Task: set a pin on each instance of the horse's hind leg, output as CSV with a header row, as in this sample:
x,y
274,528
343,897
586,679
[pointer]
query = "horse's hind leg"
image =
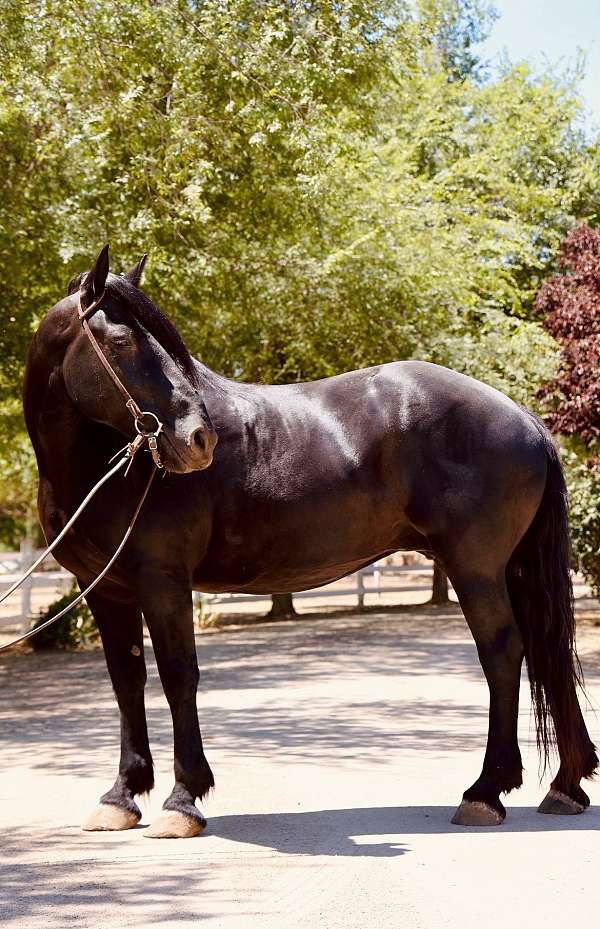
x,y
486,605
120,627
566,796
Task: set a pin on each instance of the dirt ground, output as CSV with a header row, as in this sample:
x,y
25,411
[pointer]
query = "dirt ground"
x,y
340,746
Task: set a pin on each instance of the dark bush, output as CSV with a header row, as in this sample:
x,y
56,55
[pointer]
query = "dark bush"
x,y
75,630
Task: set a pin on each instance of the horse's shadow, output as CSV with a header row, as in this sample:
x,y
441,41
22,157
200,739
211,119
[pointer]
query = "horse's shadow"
x,y
375,831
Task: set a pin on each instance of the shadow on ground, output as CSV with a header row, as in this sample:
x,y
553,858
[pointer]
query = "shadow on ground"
x,y
58,715
162,883
64,702
360,831
68,892
57,710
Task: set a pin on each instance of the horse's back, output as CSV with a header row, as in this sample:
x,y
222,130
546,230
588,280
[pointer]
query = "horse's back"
x,y
418,405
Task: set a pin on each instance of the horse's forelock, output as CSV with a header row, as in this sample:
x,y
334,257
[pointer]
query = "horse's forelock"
x,y
75,283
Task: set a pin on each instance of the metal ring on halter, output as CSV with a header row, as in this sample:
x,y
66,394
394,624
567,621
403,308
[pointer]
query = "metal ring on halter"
x,y
147,432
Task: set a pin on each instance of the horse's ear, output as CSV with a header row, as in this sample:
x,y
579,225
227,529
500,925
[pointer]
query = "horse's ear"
x,y
94,282
134,275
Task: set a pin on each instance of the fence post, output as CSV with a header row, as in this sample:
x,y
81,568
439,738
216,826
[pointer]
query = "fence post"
x,y
360,589
377,578
26,558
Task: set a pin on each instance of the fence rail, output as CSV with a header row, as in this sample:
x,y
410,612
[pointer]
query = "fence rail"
x,y
369,580
12,565
355,586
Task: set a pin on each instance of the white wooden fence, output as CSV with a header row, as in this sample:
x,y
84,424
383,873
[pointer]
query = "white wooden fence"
x,y
18,609
378,578
355,585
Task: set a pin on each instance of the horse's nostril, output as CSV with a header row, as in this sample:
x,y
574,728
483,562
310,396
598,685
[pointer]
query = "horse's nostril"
x,y
198,439
203,440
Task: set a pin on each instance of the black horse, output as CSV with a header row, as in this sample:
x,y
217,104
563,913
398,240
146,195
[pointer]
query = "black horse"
x,y
306,484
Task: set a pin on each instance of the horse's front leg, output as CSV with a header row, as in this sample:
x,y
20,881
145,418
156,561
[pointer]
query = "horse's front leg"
x,y
167,607
120,627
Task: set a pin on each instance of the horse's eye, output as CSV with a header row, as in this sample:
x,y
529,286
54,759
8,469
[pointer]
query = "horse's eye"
x,y
124,342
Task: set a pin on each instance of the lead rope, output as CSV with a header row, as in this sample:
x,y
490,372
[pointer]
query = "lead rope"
x,y
80,509
63,531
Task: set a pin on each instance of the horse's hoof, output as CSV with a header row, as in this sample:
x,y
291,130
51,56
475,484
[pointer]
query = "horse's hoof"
x,y
560,804
110,818
476,813
175,825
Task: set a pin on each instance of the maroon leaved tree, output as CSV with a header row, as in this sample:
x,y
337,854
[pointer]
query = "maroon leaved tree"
x,y
570,303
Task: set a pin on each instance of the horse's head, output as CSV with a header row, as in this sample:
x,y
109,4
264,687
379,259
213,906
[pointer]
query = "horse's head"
x,y
148,356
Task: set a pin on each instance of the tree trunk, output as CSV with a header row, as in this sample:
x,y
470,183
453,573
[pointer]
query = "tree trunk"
x,y
439,589
282,606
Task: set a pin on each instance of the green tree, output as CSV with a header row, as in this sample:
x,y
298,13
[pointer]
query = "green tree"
x,y
457,27
319,186
191,131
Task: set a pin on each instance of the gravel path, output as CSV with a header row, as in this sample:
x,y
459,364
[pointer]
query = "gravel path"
x,y
340,746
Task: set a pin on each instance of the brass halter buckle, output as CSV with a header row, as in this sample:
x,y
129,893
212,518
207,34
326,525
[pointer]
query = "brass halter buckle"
x,y
150,435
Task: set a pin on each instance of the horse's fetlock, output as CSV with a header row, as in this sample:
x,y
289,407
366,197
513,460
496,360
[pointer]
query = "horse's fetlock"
x,y
136,773
512,781
485,791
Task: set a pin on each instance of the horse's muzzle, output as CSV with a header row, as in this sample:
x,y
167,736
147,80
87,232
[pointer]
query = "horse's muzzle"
x,y
193,454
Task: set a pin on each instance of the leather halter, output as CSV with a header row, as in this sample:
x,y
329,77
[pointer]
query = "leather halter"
x,y
138,415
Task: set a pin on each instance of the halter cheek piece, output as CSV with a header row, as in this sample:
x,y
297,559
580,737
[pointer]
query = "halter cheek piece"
x,y
143,434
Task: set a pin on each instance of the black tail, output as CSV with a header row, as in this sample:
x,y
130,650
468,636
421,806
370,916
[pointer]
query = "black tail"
x,y
541,593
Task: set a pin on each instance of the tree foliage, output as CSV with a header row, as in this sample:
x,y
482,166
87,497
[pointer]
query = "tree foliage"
x,y
320,186
457,27
583,481
75,630
570,304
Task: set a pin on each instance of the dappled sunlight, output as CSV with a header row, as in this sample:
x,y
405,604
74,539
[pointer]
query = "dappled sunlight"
x,y
247,699
71,889
62,716
299,719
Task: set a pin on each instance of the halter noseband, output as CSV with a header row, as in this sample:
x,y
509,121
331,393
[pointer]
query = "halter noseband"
x,y
143,434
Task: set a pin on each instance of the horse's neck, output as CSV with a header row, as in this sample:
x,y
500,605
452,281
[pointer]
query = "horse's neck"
x,y
212,385
64,442
237,402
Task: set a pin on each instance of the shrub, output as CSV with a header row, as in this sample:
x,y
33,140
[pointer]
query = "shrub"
x,y
583,479
75,630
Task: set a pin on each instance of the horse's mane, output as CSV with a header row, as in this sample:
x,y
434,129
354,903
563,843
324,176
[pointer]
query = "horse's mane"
x,y
150,317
